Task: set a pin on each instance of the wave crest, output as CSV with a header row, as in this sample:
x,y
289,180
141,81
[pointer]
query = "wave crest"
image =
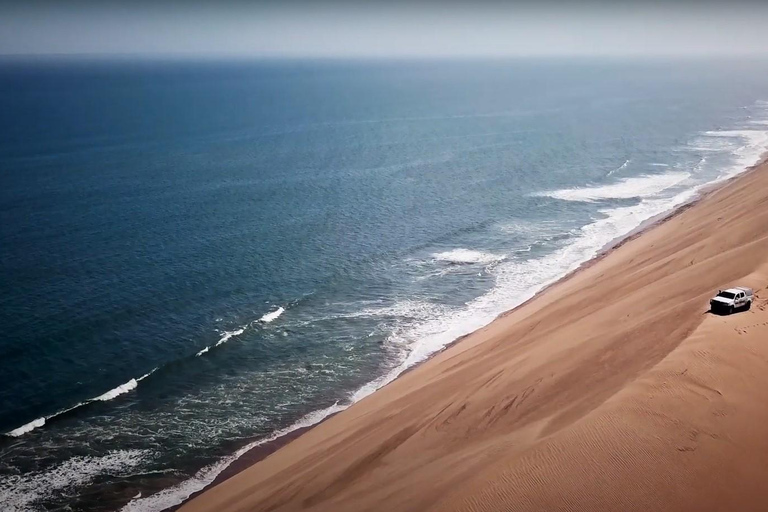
x,y
119,390
467,257
272,315
109,395
225,337
627,188
29,427
620,168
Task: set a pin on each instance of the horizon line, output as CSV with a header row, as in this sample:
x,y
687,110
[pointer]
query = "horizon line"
x,y
372,57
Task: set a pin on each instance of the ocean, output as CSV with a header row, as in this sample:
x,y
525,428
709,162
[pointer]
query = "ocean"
x,y
198,256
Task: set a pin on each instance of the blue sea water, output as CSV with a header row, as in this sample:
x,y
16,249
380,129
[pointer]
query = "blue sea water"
x,y
196,257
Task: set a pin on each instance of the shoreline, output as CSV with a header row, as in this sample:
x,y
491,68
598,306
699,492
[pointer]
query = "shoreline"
x,y
618,389
248,459
259,453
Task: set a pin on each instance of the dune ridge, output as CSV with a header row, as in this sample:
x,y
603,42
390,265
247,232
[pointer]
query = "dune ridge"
x,y
614,389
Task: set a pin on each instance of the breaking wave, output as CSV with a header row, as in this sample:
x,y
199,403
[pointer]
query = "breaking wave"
x,y
404,309
109,395
467,257
228,335
133,383
749,153
620,168
271,316
29,427
119,390
224,338
627,188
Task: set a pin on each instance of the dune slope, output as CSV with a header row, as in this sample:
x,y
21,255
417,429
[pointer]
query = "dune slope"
x,y
613,390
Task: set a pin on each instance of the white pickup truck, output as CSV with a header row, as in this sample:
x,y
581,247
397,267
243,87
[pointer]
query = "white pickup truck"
x,y
728,301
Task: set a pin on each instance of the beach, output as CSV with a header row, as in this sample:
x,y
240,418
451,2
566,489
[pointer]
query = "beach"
x,y
614,389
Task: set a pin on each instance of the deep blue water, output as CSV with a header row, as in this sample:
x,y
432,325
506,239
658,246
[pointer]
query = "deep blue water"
x,y
373,211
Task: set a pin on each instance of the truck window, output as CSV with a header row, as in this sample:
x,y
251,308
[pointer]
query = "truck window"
x,y
727,295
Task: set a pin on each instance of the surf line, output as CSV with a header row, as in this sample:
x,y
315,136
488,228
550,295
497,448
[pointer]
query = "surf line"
x,y
621,168
105,397
265,319
132,384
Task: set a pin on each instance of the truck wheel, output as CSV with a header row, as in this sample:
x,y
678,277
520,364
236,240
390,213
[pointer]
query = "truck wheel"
x,y
749,305
730,310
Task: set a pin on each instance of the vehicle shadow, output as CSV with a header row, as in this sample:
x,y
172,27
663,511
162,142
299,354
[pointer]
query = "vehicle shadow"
x,y
721,312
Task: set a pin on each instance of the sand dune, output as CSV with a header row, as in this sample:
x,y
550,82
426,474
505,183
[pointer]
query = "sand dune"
x,y
613,390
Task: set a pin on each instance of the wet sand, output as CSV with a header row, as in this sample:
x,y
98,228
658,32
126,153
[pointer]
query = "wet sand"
x,y
615,389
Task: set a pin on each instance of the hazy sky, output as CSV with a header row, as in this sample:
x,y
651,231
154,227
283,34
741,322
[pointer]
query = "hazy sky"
x,y
387,29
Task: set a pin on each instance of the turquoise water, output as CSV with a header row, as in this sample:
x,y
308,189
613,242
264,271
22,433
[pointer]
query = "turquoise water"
x,y
197,257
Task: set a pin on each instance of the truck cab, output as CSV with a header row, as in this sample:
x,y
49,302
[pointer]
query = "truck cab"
x,y
730,300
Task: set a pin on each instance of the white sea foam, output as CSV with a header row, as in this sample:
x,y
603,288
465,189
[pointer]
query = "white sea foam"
x,y
119,390
521,227
628,188
516,283
620,168
20,493
229,335
226,336
272,315
754,144
467,256
176,495
29,427
708,144
754,137
403,309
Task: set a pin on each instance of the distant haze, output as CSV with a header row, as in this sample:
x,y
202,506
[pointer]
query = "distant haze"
x,y
399,29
